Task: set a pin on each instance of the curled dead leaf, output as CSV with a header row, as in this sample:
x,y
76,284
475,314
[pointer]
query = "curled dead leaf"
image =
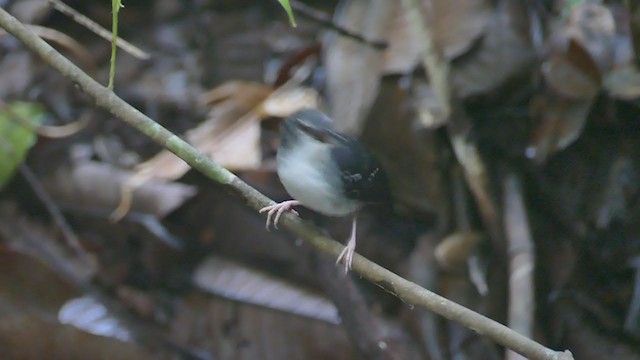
x,y
623,83
354,69
572,73
503,54
580,54
454,250
97,185
456,25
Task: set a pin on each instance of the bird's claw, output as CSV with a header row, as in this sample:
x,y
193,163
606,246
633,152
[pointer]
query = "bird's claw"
x,y
346,256
278,210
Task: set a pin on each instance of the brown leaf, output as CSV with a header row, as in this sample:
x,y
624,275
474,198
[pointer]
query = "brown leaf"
x,y
33,336
229,329
231,134
354,69
581,52
623,83
454,250
241,283
634,10
456,25
28,237
572,73
560,123
593,26
97,185
30,295
610,199
503,54
426,104
21,279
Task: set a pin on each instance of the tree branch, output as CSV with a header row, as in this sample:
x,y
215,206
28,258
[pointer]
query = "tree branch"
x,y
404,289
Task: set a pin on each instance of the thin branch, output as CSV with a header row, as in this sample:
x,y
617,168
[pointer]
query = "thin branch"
x,y
432,60
521,260
53,132
66,230
98,30
404,289
459,125
364,328
324,20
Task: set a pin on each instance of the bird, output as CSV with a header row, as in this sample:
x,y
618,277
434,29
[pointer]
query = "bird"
x,y
326,171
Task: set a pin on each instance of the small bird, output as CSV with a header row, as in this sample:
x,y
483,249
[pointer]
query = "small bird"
x,y
327,172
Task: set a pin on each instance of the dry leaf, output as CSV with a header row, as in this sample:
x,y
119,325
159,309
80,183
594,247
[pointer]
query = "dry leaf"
x,y
503,54
21,280
594,27
456,25
354,69
454,250
424,100
580,54
97,185
30,296
611,199
88,314
560,123
31,238
31,336
284,102
571,73
238,282
623,83
230,330
230,135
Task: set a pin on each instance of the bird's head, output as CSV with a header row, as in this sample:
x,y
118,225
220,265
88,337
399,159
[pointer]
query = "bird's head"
x,y
307,125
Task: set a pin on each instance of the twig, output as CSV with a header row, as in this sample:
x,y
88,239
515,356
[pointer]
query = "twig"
x,y
404,289
365,329
467,153
67,232
521,261
634,12
74,47
631,321
98,30
53,132
422,268
432,60
325,20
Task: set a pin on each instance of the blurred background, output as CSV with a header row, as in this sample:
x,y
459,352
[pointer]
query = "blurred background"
x,y
522,205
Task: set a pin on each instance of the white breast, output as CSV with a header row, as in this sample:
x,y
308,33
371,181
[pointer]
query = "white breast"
x,y
302,171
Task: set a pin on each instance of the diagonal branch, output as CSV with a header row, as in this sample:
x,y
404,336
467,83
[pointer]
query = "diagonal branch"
x,y
404,289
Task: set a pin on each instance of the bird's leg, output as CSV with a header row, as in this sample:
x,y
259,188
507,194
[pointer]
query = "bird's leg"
x,y
278,209
347,254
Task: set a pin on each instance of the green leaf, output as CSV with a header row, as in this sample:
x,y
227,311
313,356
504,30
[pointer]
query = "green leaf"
x,y
18,121
287,7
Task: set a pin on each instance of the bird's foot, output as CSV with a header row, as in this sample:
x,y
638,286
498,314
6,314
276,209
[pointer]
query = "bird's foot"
x,y
346,256
277,210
